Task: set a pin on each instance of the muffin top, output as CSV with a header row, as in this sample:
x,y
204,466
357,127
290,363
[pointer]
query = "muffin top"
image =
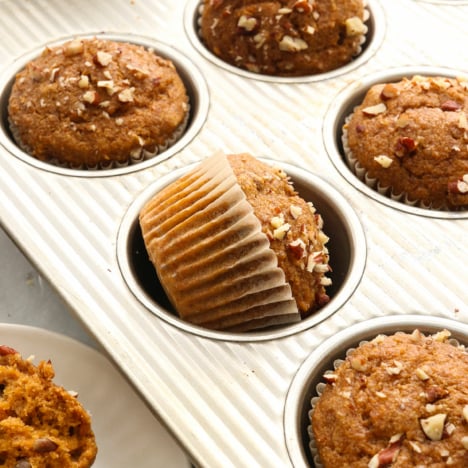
x,y
412,136
41,424
90,102
293,227
397,401
284,37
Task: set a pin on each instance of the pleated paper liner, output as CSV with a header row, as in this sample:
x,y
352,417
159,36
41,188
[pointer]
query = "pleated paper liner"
x,y
137,156
211,255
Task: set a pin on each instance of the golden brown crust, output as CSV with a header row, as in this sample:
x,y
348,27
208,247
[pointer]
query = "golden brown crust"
x,y
40,423
300,248
92,101
283,37
413,136
402,399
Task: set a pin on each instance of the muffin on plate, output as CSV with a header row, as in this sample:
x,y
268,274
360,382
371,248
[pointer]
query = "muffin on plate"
x,y
41,423
235,247
97,103
399,401
409,140
284,37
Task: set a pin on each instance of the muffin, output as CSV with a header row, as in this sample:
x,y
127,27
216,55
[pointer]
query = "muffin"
x,y
97,103
235,247
41,424
399,401
409,139
284,37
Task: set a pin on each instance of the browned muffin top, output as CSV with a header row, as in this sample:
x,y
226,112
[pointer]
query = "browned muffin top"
x,y
399,401
293,227
92,101
41,424
412,135
284,37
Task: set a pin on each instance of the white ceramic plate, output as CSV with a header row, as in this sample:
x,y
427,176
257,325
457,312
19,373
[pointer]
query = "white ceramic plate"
x,y
126,432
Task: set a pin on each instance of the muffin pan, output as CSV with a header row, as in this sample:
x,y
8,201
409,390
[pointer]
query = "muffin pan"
x,y
232,400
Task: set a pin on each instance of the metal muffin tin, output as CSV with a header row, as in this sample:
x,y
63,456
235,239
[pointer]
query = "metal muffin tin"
x,y
224,397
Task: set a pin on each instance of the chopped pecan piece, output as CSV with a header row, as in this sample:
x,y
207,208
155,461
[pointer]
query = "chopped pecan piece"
x,y
405,146
450,106
4,350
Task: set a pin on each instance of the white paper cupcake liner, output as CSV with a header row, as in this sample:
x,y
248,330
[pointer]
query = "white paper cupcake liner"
x,y
135,157
211,255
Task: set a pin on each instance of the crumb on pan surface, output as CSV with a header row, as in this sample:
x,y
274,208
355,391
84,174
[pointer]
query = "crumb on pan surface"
x,y
412,137
235,247
399,401
94,101
41,424
285,37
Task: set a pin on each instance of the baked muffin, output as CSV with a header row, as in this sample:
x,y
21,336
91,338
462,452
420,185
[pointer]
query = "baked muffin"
x,y
399,401
41,424
235,247
409,139
284,37
95,102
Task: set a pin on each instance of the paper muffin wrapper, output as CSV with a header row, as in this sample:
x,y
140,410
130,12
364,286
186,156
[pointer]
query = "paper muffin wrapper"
x,y
387,191
135,157
362,39
211,255
318,393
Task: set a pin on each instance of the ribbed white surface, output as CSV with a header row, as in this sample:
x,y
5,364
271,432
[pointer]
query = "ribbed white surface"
x,y
224,400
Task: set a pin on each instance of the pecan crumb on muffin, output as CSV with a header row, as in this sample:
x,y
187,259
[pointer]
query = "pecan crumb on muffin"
x,y
398,401
235,247
97,102
41,423
284,37
411,137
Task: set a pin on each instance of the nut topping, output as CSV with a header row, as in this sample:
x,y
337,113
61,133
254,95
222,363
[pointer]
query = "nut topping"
x,y
464,442
450,106
248,23
103,58
383,160
389,91
375,110
387,455
465,413
433,426
44,445
405,146
75,47
5,350
292,44
355,27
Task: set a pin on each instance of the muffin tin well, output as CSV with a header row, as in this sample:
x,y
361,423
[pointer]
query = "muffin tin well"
x,y
374,37
310,374
192,77
342,106
347,248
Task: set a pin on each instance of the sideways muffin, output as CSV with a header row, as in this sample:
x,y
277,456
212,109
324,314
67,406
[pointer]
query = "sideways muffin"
x,y
41,424
409,140
97,103
399,401
284,37
235,247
